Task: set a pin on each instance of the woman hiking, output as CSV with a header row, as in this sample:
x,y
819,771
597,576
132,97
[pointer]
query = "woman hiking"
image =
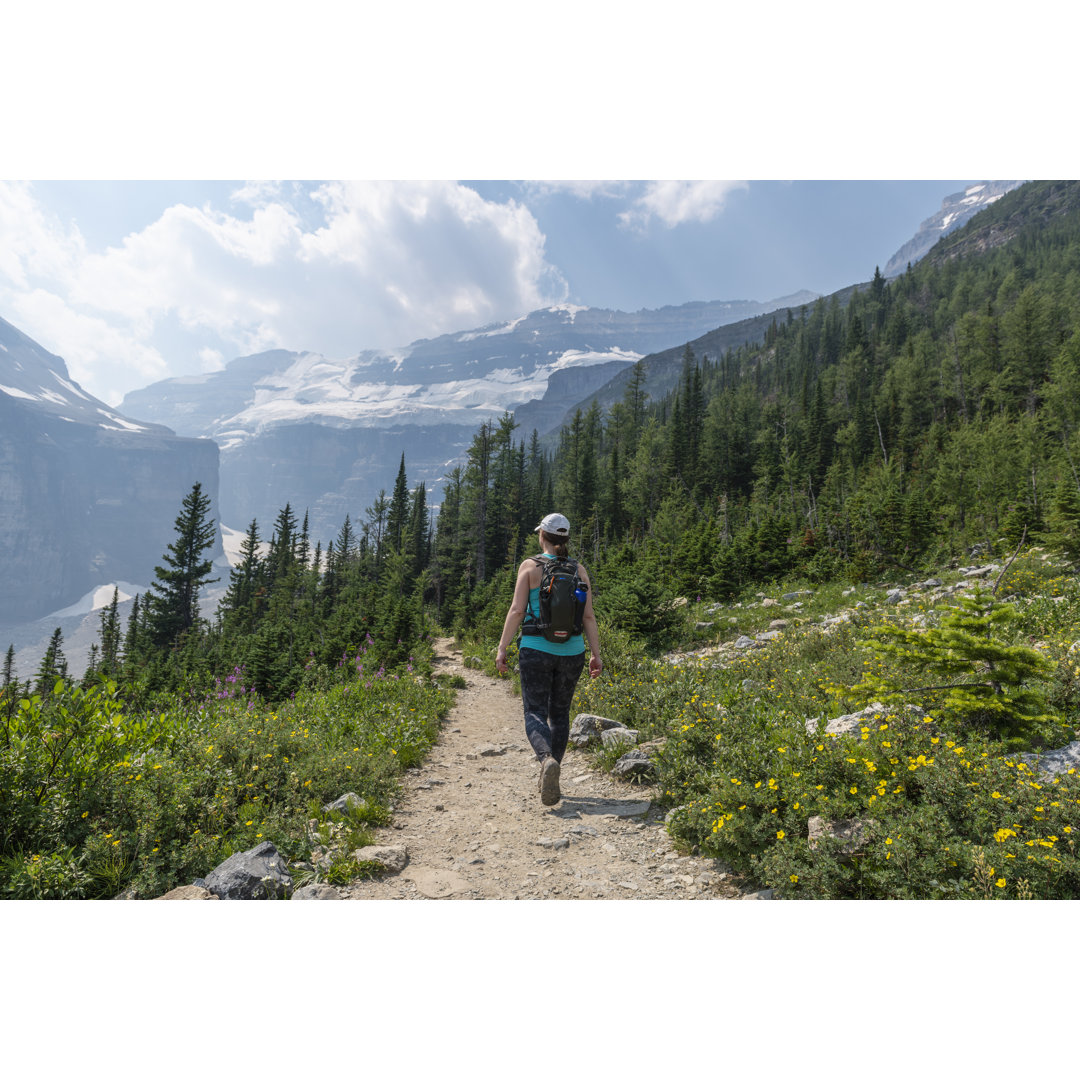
x,y
549,670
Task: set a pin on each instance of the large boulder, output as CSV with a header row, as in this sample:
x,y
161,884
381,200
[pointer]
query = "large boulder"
x,y
257,874
588,727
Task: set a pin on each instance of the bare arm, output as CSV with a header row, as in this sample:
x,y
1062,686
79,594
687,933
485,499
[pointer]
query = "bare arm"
x,y
514,615
588,625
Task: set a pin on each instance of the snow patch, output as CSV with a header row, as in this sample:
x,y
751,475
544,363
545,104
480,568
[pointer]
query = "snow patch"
x,y
974,188
505,328
570,309
14,392
96,599
71,387
233,539
124,424
55,398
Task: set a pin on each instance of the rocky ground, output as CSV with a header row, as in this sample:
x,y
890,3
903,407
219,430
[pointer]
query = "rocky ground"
x,y
473,825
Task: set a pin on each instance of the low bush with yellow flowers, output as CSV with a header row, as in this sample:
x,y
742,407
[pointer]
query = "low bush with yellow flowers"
x,y
916,803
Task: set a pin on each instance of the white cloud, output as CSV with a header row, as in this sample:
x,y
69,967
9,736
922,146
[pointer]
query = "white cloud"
x,y
581,189
211,360
676,202
335,269
104,359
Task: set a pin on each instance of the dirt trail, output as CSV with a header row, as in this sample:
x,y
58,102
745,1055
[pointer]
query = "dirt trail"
x,y
474,827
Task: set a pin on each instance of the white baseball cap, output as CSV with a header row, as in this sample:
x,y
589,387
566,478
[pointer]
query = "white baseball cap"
x,y
555,524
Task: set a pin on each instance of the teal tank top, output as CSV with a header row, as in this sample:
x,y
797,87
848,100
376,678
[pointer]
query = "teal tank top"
x,y
575,645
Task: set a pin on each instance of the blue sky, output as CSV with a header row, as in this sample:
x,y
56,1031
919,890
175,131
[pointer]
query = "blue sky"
x,y
133,281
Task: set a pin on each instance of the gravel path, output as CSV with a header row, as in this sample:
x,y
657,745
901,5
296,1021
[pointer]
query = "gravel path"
x,y
474,827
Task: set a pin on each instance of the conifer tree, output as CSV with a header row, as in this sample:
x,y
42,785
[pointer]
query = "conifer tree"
x,y
110,637
53,664
174,601
973,675
398,515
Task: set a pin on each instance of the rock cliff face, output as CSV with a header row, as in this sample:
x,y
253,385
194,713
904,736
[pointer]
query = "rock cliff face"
x,y
87,496
956,210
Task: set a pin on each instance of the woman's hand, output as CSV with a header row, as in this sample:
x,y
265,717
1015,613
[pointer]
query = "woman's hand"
x,y
500,661
596,665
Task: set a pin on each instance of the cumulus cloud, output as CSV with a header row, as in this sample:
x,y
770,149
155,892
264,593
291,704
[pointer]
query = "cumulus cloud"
x,y
676,202
332,268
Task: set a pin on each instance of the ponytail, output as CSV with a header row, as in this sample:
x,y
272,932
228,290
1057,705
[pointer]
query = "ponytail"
x,y
558,542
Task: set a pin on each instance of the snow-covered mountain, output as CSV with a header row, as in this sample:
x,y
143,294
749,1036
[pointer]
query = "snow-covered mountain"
x,y
326,435
461,378
87,495
955,210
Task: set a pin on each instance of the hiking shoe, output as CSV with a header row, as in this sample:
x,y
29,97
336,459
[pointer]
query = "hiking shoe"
x,y
549,782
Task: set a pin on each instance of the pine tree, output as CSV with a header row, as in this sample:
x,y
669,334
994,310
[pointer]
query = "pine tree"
x,y
109,663
174,600
398,516
9,668
53,664
1065,516
973,675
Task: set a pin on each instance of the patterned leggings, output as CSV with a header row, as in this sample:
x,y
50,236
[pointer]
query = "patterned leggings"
x,y
547,689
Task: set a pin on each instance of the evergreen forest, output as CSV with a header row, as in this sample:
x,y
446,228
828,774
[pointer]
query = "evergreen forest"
x,y
894,432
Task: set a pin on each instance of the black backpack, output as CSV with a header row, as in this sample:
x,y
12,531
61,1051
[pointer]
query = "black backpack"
x,y
562,600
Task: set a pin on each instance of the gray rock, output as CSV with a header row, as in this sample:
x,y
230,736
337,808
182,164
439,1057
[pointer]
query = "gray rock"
x,y
321,891
779,624
621,808
349,801
187,892
894,596
852,723
982,571
614,736
744,642
761,894
394,857
770,603
490,750
130,893
701,627
795,595
588,727
559,844
767,635
257,874
582,830
1053,762
634,763
851,834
